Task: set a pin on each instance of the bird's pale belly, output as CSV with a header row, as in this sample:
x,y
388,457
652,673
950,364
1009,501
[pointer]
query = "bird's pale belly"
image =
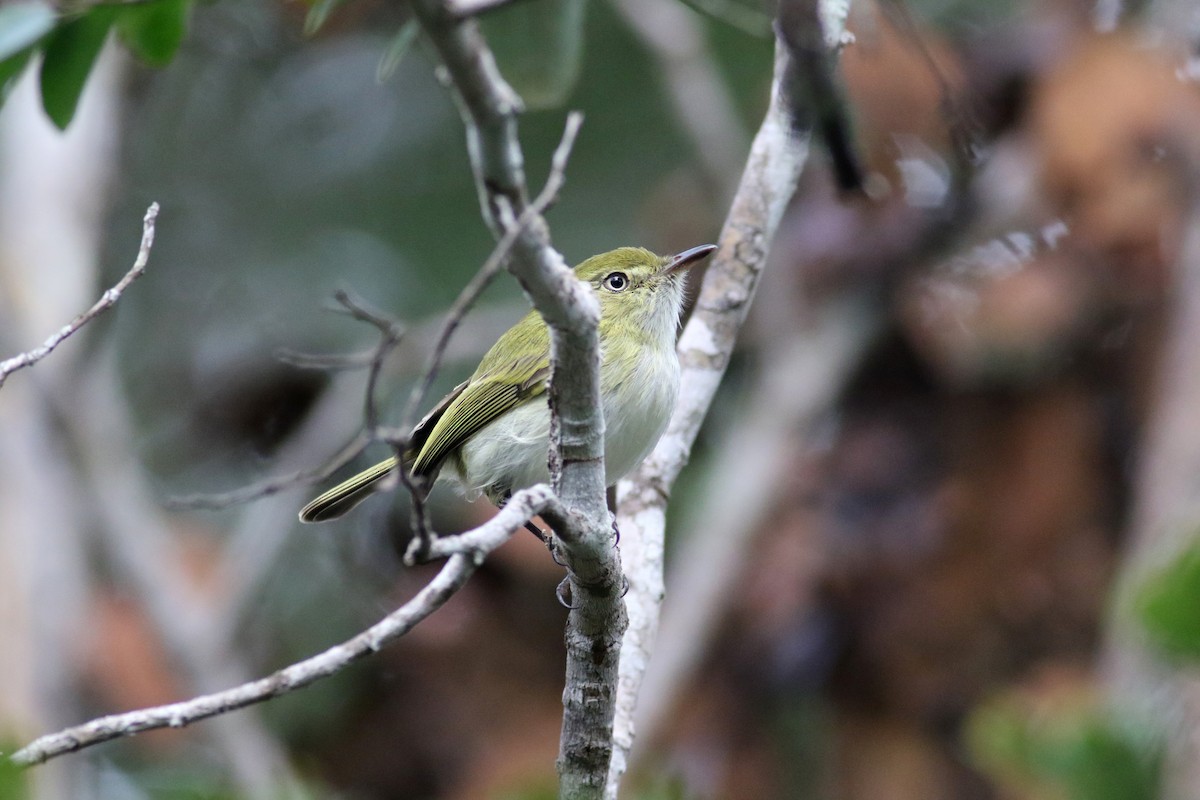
x,y
511,452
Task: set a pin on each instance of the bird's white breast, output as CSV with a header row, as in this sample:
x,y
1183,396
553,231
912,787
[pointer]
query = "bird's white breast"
x,y
638,400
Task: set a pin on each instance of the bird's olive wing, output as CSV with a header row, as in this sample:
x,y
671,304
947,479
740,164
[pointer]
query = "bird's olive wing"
x,y
423,429
485,398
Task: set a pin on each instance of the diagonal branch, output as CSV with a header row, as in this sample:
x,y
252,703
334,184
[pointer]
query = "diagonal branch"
x,y
777,155
465,552
106,301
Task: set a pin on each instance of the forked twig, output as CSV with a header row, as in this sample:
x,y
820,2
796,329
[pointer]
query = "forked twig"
x,y
492,266
390,335
422,549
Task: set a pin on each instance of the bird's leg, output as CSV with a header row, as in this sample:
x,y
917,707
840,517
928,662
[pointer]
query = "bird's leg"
x,y
549,539
422,536
611,497
545,536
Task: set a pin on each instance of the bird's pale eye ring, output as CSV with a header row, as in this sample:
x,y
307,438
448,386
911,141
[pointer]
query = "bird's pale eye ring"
x,y
616,281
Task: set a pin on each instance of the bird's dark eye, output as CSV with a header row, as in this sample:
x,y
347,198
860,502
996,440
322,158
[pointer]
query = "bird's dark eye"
x,y
616,281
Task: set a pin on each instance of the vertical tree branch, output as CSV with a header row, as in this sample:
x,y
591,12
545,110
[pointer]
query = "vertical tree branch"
x,y
597,620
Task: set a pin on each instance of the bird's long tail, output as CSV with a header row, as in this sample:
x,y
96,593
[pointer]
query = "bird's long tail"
x,y
347,494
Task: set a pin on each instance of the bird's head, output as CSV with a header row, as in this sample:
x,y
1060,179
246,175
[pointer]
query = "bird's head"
x,y
637,287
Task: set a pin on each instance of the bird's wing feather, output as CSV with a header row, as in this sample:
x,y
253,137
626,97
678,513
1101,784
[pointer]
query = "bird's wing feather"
x,y
422,430
498,385
482,402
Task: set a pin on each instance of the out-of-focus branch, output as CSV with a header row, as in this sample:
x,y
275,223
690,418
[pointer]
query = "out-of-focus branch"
x,y
1166,511
469,8
106,301
776,158
597,619
817,100
136,539
799,380
698,94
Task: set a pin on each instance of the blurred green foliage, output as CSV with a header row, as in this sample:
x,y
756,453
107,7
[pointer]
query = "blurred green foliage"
x,y
538,45
13,781
1167,603
1076,752
154,31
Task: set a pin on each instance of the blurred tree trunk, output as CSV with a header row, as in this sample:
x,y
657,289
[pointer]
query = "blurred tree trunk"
x,y
1165,518
52,193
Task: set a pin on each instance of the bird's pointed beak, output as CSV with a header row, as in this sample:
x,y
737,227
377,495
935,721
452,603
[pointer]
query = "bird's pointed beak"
x,y
687,259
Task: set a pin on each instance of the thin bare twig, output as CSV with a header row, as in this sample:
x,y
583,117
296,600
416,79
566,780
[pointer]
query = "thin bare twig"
x,y
390,335
106,301
176,715
492,266
524,505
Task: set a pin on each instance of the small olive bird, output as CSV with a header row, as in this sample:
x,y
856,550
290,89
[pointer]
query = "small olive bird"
x,y
491,433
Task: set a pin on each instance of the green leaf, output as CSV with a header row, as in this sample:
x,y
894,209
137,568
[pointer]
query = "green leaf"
x,y
318,13
154,30
1166,605
22,25
10,70
539,47
1076,753
396,50
70,53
